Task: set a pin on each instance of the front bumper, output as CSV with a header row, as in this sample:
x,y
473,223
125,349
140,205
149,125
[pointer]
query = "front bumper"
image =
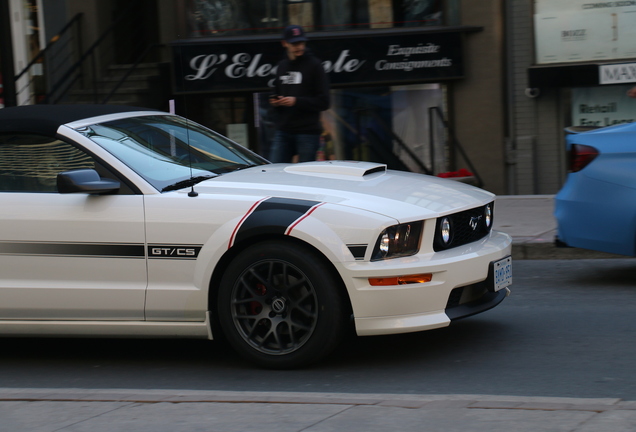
x,y
458,288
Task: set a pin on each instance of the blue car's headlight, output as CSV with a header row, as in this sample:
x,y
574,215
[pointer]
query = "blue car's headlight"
x,y
398,241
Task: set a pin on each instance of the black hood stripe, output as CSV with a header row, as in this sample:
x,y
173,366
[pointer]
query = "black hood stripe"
x,y
272,215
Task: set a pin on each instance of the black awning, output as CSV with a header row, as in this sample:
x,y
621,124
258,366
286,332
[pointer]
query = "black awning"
x,y
563,75
356,57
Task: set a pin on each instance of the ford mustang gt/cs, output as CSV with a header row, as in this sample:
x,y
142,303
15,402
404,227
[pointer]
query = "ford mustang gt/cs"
x,y
596,207
124,222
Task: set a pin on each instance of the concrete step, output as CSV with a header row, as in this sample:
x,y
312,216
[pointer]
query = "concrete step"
x,y
138,89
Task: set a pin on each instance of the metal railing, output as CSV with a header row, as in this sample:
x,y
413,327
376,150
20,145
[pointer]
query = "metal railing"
x,y
385,150
380,148
64,72
45,71
452,143
130,70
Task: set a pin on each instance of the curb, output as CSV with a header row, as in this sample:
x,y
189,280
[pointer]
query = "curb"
x,y
350,399
548,251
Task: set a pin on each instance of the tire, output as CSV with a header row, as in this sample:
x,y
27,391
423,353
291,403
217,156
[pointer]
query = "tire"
x,y
280,305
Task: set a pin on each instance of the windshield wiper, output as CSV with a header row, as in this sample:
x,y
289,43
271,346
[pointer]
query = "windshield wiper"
x,y
187,182
233,168
243,166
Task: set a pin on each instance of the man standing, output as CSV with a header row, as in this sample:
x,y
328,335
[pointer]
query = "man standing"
x,y
301,92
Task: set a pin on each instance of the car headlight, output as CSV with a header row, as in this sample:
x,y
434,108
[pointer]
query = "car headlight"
x,y
398,241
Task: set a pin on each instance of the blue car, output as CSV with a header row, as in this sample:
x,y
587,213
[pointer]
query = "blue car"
x,y
596,208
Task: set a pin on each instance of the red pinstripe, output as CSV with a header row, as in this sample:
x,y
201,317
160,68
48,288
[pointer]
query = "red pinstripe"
x,y
300,219
245,216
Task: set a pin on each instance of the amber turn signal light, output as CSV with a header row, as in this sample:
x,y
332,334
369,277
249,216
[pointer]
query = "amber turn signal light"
x,y
401,280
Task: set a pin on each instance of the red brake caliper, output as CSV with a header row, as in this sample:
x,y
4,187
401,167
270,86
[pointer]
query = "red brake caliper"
x,y
255,307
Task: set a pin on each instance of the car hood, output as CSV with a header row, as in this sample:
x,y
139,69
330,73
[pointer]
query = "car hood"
x,y
363,185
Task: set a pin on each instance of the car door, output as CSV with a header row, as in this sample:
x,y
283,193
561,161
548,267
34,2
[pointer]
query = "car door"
x,y
66,256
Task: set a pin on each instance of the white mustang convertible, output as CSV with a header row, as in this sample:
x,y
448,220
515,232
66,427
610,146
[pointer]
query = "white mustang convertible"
x,y
123,222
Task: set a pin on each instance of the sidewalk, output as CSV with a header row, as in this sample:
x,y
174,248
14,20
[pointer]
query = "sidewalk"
x,y
49,410
530,221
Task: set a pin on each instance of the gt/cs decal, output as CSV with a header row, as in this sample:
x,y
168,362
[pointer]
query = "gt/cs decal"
x,y
174,251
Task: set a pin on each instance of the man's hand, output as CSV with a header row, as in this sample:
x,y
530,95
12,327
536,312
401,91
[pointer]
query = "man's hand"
x,y
287,101
632,92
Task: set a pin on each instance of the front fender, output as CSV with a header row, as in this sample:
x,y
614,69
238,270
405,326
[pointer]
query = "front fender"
x,y
342,234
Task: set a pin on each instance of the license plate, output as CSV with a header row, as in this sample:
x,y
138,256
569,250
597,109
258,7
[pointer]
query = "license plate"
x,y
503,273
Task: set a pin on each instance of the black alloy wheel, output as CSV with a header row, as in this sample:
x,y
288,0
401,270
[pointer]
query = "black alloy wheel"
x,y
280,305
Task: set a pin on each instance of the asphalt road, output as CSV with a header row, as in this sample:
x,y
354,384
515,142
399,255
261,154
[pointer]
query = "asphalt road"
x,y
567,330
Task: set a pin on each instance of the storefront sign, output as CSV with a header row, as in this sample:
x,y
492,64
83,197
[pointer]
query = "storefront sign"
x,y
584,30
617,73
249,65
602,106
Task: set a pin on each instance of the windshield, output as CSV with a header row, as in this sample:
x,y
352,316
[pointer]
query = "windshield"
x,y
166,149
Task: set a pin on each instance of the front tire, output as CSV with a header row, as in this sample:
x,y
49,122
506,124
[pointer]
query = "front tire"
x,y
280,305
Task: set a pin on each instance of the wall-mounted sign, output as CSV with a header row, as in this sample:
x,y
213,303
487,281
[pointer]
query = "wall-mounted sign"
x,y
617,73
584,30
602,106
244,64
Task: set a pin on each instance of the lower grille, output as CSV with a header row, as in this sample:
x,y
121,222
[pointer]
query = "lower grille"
x,y
455,297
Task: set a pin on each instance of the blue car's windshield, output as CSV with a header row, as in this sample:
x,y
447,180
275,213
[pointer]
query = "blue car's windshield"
x,y
166,150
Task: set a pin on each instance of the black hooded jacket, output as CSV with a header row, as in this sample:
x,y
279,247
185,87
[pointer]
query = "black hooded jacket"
x,y
306,80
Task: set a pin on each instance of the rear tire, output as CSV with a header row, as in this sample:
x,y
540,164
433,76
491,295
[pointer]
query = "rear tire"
x,y
280,305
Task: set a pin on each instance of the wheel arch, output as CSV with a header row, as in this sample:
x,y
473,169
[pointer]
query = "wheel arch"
x,y
239,247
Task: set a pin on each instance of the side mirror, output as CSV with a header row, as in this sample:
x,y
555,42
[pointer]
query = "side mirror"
x,y
85,181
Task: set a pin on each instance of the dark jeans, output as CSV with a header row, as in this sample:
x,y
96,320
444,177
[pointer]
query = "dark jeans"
x,y
286,145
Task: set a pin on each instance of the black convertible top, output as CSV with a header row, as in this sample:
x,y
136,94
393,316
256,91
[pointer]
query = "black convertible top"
x,y
46,119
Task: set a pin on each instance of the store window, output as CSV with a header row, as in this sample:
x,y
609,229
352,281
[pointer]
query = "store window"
x,y
413,13
344,15
228,114
208,18
396,125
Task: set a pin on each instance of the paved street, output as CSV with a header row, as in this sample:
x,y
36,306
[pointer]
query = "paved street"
x,y
562,333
